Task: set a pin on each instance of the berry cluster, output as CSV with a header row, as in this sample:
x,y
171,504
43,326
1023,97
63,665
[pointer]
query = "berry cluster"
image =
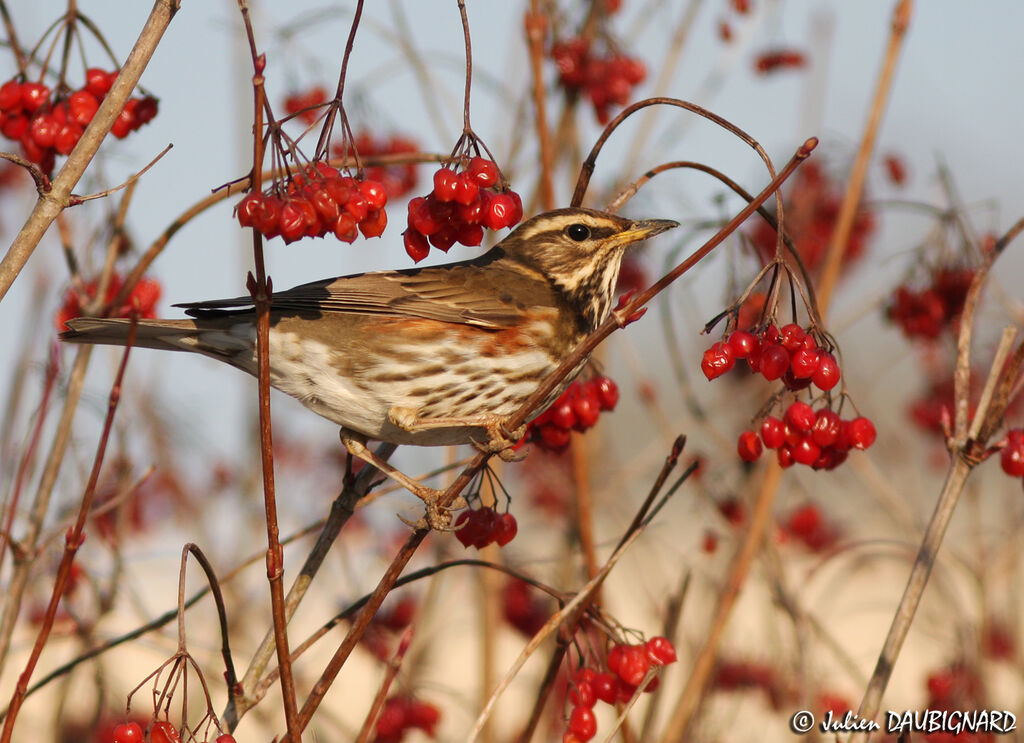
x,y
521,609
807,525
1012,456
142,299
317,201
48,127
483,526
926,313
607,80
404,713
774,60
812,205
820,440
789,353
398,179
628,665
161,731
461,205
578,408
302,103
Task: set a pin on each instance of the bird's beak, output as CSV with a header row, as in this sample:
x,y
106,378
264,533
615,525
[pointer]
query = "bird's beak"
x,y
643,229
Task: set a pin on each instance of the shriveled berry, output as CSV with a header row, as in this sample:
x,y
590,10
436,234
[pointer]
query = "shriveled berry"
x,y
661,651
748,446
717,360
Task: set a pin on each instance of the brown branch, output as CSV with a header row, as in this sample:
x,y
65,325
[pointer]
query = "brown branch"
x,y
536,22
75,538
48,206
855,187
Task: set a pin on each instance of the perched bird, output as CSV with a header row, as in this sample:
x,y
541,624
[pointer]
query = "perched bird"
x,y
427,356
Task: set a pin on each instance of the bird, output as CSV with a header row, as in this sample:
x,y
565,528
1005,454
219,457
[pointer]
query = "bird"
x,y
430,356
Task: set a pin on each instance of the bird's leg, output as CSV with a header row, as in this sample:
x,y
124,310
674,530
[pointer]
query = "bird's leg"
x,y
500,440
436,518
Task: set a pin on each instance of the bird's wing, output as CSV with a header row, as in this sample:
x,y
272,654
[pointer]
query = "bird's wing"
x,y
472,293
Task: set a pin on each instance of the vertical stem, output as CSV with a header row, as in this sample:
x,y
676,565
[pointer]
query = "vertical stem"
x,y
466,128
536,23
855,188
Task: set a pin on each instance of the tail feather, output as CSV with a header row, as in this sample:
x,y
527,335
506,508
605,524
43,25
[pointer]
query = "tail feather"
x,y
167,335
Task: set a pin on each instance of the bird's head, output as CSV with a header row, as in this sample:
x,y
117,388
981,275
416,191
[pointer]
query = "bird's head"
x,y
580,252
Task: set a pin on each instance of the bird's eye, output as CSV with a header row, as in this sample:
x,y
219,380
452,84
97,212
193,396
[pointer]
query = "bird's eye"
x,y
578,232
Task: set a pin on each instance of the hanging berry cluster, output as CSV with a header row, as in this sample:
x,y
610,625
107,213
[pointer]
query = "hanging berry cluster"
x,y
791,354
628,665
302,104
47,126
405,713
461,205
160,731
141,299
607,80
315,202
817,439
483,526
398,179
926,313
577,409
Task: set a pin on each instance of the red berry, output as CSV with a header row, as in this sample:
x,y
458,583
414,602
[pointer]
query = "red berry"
x,y
861,433
291,221
773,361
15,126
1012,456
415,244
498,213
374,193
635,665
374,224
82,106
33,96
562,414
553,438
581,694
804,363
128,732
145,110
717,360
661,651
826,428
466,191
791,336
749,446
607,392
225,738
445,183
125,121
604,687
325,205
801,415
615,657
827,374
10,97
67,138
586,409
248,208
583,723
163,732
806,452
43,130
483,172
773,432
785,456
98,82
464,530
505,529
484,521
358,206
743,343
